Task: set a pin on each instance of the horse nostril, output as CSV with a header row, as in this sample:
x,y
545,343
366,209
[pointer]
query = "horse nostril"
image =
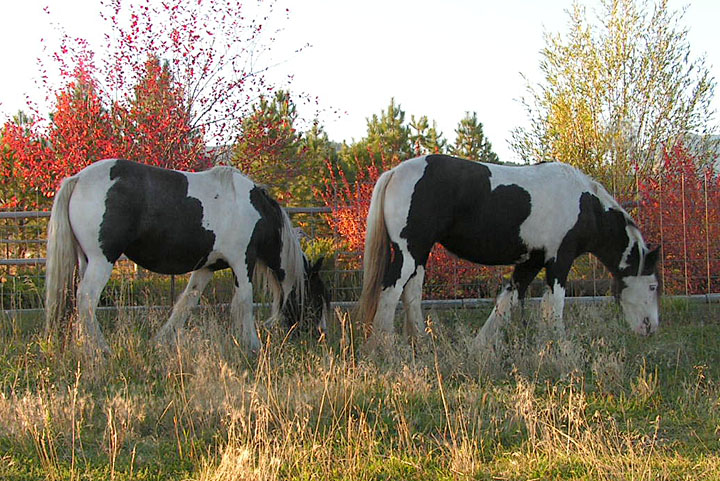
x,y
646,323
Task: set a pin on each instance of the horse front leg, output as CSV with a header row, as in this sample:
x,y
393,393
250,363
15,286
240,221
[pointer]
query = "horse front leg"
x,y
489,334
184,305
553,304
241,312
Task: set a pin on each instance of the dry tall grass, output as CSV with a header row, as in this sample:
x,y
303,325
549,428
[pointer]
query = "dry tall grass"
x,y
592,406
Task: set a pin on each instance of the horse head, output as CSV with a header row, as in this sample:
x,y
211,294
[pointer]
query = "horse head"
x,y
638,292
311,313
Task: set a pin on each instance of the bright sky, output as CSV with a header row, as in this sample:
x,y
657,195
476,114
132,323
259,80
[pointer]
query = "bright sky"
x,y
438,59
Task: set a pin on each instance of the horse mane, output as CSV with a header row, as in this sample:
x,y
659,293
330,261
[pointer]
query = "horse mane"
x,y
608,201
225,175
292,260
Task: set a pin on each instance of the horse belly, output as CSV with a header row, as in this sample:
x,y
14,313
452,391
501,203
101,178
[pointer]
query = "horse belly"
x,y
486,251
165,256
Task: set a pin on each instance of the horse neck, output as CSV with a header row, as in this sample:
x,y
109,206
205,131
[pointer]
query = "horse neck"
x,y
617,243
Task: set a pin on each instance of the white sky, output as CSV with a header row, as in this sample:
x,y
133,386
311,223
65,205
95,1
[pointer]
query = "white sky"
x,y
438,59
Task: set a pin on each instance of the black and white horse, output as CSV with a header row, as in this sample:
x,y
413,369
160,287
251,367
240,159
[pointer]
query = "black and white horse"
x,y
535,217
174,222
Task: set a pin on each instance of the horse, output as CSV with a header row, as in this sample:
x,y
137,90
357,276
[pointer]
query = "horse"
x,y
533,217
175,222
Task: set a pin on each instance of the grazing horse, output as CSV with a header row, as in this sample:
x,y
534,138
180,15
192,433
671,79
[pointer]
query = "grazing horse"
x,y
532,217
174,222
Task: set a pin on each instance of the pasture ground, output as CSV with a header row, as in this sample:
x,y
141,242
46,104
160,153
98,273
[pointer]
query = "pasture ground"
x,y
601,404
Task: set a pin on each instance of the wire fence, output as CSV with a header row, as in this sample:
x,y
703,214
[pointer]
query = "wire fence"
x,y
683,216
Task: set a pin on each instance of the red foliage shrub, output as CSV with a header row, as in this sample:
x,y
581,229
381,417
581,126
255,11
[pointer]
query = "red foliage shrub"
x,y
680,209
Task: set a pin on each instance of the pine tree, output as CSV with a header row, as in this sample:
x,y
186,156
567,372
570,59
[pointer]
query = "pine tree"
x,y
388,133
426,139
471,142
268,147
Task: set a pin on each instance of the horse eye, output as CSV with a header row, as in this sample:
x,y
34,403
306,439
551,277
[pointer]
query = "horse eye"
x,y
653,287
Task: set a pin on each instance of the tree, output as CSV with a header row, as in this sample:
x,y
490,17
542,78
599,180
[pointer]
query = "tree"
x,y
388,133
615,91
318,151
175,76
268,148
212,47
154,125
471,142
424,138
15,189
79,134
387,142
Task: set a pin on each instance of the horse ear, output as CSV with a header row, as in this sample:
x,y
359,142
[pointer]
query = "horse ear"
x,y
652,257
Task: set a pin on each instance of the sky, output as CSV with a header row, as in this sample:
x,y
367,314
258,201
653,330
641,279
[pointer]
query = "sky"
x,y
439,59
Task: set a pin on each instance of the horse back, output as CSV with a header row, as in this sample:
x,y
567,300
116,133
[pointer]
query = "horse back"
x,y
164,220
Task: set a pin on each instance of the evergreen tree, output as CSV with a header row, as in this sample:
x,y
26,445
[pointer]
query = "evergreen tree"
x,y
272,151
471,142
267,149
316,152
388,133
426,139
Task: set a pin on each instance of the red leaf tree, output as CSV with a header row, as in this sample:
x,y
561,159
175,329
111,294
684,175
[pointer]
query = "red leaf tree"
x,y
176,76
154,125
78,134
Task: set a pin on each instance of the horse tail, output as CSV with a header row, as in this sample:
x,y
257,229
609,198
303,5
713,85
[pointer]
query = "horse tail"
x,y
377,252
61,256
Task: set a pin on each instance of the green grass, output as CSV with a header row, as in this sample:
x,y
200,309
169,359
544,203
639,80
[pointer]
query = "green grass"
x,y
601,404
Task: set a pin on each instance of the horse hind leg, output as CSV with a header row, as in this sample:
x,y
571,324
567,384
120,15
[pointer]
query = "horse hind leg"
x,y
412,300
96,274
509,298
400,271
184,305
553,301
552,306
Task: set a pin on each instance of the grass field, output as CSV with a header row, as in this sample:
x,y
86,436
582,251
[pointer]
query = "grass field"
x,y
601,404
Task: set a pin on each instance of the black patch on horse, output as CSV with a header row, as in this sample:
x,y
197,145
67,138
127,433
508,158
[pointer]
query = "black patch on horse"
x,y
453,204
266,241
604,234
150,218
395,262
